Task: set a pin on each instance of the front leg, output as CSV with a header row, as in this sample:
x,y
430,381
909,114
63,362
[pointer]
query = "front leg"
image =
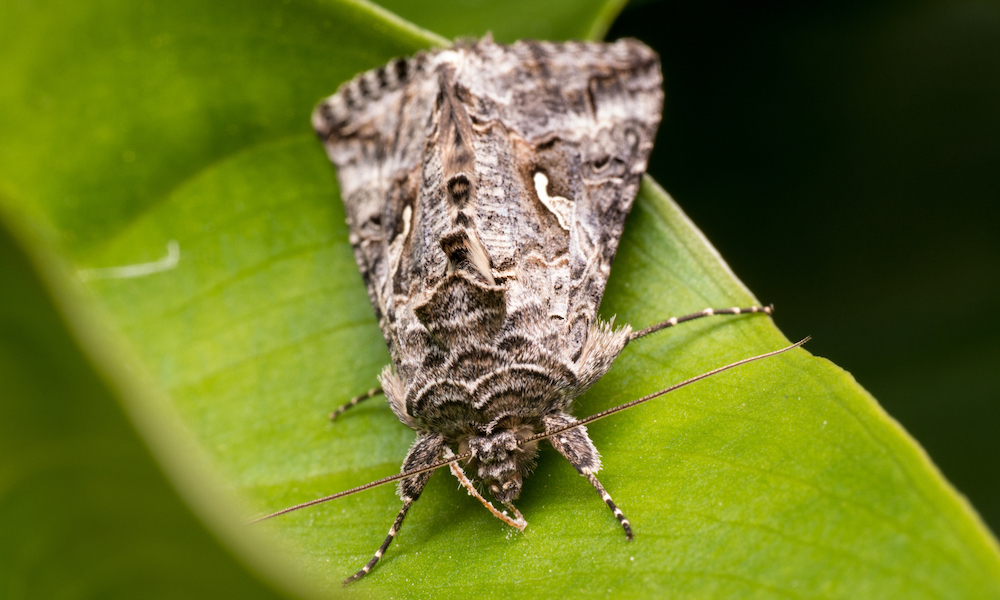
x,y
576,446
426,450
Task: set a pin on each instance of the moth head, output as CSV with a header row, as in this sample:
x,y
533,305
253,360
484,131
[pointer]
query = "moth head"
x,y
499,462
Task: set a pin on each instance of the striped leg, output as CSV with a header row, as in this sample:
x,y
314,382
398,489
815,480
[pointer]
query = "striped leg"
x,y
611,504
425,451
354,402
575,445
385,545
708,312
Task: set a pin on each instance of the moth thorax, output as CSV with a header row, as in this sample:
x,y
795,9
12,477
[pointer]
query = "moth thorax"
x,y
500,462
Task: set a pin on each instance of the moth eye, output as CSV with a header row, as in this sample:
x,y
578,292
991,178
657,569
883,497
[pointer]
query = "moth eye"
x,y
602,163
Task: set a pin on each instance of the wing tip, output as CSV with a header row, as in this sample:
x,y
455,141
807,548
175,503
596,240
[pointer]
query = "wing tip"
x,y
333,113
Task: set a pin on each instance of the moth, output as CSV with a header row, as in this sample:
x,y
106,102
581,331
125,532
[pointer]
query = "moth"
x,y
486,187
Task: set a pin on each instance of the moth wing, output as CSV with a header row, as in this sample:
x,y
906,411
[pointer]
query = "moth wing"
x,y
581,118
375,128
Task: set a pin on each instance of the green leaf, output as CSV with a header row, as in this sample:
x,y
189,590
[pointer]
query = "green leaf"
x,y
85,510
110,105
512,20
781,478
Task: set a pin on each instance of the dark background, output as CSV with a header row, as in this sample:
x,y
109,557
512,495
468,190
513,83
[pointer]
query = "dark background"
x,y
844,157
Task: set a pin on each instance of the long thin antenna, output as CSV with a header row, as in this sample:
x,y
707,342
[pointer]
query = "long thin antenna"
x,y
628,405
367,486
534,438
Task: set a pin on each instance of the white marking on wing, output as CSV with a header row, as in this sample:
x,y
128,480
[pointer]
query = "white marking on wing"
x,y
557,205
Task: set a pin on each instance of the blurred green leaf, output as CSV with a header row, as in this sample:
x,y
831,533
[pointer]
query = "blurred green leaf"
x,y
511,20
110,105
85,511
131,129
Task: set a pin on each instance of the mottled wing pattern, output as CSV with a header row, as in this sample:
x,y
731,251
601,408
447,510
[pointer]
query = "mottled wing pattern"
x,y
583,115
486,187
375,129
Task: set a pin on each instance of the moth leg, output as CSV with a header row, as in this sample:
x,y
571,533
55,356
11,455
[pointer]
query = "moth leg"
x,y
375,391
425,451
385,544
708,312
576,446
611,504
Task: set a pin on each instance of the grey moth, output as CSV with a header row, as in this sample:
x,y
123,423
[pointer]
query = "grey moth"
x,y
486,187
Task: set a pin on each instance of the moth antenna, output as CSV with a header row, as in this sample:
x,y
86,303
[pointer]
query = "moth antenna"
x,y
367,486
676,386
708,312
540,436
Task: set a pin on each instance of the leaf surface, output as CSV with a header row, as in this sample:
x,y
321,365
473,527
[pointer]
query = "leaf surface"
x,y
86,510
779,479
